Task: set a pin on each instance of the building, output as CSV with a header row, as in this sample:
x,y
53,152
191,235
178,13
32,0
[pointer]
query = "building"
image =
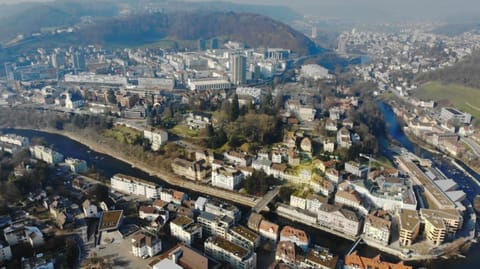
x,y
314,71
222,208
73,101
343,138
135,186
268,231
438,224
5,252
238,158
173,196
230,253
110,220
319,258
89,210
243,237
239,69
192,170
356,169
296,236
76,166
46,154
182,256
145,245
354,261
339,219
215,225
288,252
206,84
227,178
351,199
19,233
13,139
301,111
377,227
157,138
185,230
450,113
409,226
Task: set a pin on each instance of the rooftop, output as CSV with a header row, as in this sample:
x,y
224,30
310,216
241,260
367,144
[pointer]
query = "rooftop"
x,y
182,221
409,219
134,179
322,257
228,246
245,233
289,231
110,220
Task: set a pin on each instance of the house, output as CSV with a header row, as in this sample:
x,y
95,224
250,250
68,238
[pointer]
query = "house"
x,y
238,158
145,245
306,145
90,210
377,227
289,253
328,146
320,258
296,236
323,186
157,138
331,125
227,178
333,175
343,138
192,170
173,196
355,261
351,199
268,230
148,213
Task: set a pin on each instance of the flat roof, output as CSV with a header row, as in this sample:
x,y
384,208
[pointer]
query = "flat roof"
x,y
182,220
110,220
229,247
245,232
409,219
134,179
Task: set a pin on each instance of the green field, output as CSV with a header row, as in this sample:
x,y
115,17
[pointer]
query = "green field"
x,y
464,98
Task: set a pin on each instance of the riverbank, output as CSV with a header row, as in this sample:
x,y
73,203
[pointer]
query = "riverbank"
x,y
162,175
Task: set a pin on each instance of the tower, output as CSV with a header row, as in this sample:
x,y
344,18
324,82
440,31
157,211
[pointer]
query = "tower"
x,y
239,69
78,61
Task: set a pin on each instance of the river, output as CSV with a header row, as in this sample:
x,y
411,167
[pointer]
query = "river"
x,y
110,166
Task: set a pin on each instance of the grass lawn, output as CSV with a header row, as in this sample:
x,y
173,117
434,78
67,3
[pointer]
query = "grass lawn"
x,y
123,134
184,131
464,98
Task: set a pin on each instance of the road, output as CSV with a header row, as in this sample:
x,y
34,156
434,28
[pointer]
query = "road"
x,y
267,198
472,144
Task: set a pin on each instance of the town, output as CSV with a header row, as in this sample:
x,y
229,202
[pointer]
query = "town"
x,y
226,127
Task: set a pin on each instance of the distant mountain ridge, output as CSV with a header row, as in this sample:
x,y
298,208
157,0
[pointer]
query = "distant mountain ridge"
x,y
252,29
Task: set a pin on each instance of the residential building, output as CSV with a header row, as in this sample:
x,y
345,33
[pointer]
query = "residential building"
x,y
214,225
205,84
90,210
185,230
19,233
409,226
314,202
239,69
354,261
268,230
339,219
13,139
450,113
319,258
356,169
157,138
173,196
148,213
438,224
377,227
226,178
243,237
254,221
296,236
144,244
351,199
288,252
230,253
343,138
136,186
222,208
301,111
76,166
46,154
322,186
238,158
193,170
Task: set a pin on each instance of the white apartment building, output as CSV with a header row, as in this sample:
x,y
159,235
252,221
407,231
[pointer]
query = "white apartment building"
x,y
157,138
339,219
145,245
215,225
226,178
46,154
208,84
136,186
15,140
76,165
230,253
377,227
185,230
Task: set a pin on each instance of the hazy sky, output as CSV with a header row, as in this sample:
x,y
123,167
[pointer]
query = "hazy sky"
x,y
371,10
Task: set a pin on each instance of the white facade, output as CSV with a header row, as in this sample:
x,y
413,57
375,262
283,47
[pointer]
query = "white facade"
x,y
46,154
226,179
76,165
185,230
208,84
136,186
15,140
298,202
145,245
157,138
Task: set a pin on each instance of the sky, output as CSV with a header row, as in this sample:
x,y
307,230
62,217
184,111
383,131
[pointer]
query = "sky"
x,y
368,10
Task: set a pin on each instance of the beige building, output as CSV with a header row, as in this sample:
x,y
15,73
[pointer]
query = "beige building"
x,y
185,230
377,227
409,226
157,138
196,170
439,224
243,237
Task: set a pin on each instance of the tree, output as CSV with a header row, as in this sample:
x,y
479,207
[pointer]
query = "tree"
x,y
235,108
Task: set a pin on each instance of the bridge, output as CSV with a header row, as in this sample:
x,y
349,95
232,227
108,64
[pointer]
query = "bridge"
x,y
267,198
355,244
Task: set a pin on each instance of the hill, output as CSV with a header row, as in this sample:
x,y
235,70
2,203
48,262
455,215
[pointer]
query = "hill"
x,y
464,73
137,30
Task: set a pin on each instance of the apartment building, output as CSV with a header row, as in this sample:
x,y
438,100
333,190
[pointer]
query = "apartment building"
x,y
296,236
185,230
144,244
377,227
46,154
409,226
193,170
136,186
340,219
157,138
227,178
215,225
234,255
268,230
243,237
